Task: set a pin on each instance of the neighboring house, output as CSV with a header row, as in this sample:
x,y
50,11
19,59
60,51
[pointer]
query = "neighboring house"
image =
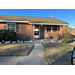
x,y
33,27
70,30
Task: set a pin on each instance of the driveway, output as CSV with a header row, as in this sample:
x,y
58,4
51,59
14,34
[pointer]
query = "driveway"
x,y
34,58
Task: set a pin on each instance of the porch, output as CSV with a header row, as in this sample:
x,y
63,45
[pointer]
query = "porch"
x,y
46,32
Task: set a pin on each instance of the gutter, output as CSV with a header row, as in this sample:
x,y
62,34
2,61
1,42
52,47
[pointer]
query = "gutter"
x,y
14,21
47,24
30,23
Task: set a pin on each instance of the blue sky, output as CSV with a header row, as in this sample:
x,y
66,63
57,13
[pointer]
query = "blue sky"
x,y
67,15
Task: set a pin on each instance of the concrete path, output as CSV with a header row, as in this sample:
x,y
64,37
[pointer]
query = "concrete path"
x,y
34,58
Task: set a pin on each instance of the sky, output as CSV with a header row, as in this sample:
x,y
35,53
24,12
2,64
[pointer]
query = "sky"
x,y
67,15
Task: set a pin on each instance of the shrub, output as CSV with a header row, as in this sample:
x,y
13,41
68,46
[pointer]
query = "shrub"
x,y
65,41
42,37
67,35
7,35
51,37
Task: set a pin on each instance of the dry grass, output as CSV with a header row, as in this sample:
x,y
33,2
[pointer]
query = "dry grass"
x,y
58,54
15,49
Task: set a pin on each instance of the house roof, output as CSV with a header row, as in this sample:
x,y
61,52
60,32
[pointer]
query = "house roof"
x,y
73,26
33,19
69,28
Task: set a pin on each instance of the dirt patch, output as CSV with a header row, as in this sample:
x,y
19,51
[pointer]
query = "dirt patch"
x,y
15,49
58,54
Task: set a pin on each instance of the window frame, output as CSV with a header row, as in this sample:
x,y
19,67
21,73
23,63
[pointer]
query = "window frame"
x,y
52,30
11,27
47,30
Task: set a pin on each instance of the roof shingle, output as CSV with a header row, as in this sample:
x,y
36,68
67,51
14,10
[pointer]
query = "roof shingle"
x,y
33,19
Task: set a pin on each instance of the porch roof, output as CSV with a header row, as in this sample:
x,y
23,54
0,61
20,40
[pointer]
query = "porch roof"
x,y
34,20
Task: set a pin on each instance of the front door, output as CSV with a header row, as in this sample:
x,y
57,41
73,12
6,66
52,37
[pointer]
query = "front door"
x,y
36,31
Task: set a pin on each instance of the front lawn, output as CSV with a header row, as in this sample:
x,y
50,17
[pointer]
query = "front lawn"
x,y
15,49
58,54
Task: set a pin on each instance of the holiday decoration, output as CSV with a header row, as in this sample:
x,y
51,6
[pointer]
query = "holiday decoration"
x,y
48,29
4,26
54,29
13,33
17,41
36,31
41,25
32,23
16,27
61,25
3,32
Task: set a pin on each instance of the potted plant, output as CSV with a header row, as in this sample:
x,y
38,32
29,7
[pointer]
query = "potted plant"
x,y
51,37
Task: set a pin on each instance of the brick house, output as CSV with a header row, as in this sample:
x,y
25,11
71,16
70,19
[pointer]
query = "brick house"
x,y
33,27
70,30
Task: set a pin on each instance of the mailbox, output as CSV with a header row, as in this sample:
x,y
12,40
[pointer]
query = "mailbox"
x,y
73,57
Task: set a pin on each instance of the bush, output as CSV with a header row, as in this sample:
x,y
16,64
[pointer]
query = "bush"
x,y
51,37
67,35
65,41
42,37
7,35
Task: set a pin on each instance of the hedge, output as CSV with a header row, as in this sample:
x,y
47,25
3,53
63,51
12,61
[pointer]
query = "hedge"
x,y
67,35
67,38
7,35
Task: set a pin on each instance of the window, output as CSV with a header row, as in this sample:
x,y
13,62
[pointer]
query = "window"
x,y
52,28
36,32
58,28
11,26
48,28
36,27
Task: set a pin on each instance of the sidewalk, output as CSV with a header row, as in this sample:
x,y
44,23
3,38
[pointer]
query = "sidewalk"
x,y
34,58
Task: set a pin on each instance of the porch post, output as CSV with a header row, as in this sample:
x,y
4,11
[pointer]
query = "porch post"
x,y
45,32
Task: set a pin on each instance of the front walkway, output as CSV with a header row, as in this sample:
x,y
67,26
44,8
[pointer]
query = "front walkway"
x,y
34,58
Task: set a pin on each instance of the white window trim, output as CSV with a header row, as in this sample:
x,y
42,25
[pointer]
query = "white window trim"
x,y
12,27
36,36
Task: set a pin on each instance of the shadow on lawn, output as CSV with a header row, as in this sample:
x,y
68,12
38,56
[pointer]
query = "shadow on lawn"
x,y
17,52
56,59
72,41
48,46
10,44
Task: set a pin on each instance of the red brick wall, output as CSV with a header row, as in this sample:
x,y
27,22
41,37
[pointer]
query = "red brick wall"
x,y
1,26
62,30
55,35
24,31
27,30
